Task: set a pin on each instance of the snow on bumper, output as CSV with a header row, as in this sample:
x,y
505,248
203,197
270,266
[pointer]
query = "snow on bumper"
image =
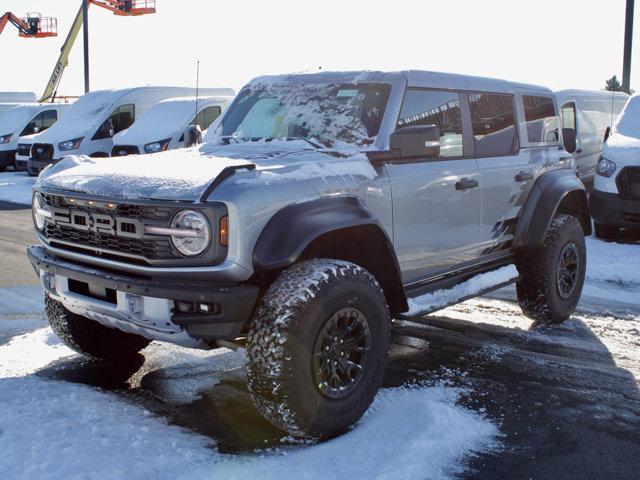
x,y
178,312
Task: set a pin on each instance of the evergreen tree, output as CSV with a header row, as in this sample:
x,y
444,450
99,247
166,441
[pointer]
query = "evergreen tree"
x,y
613,84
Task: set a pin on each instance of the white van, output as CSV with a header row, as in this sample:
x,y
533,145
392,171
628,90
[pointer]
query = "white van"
x,y
163,127
587,118
90,124
25,120
615,199
18,97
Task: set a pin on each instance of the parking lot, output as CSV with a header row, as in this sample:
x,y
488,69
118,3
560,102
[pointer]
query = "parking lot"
x,y
488,396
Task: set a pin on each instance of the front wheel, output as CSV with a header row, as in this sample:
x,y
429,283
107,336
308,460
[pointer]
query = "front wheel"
x,y
318,347
552,276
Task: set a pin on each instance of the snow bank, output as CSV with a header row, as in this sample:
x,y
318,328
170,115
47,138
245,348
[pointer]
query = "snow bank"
x,y
442,298
53,430
16,187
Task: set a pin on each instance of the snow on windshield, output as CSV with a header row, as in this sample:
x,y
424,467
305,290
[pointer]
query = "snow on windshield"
x,y
13,119
628,123
325,114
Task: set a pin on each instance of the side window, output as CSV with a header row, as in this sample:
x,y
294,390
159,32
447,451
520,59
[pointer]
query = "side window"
x,y
568,113
121,118
494,127
542,122
442,109
40,122
206,117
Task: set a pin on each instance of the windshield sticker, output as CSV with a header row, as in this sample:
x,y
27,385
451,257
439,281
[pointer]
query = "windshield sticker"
x,y
347,93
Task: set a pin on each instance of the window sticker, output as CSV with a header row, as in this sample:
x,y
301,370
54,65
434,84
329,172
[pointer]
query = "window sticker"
x,y
347,93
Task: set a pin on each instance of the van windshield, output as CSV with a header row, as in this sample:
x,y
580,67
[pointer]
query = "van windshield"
x,y
628,123
322,114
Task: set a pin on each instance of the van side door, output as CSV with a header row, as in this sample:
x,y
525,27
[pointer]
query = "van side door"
x,y
436,201
506,174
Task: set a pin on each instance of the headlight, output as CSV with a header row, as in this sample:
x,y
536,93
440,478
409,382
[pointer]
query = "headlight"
x,y
6,138
155,147
605,167
70,144
38,211
195,233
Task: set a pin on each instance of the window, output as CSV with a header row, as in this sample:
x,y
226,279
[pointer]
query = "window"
x,y
493,121
568,113
41,122
121,119
442,109
206,117
542,122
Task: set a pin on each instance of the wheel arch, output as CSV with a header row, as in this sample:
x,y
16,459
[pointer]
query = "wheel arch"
x,y
555,192
340,228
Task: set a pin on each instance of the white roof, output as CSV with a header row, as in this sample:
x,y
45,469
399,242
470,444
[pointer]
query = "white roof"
x,y
17,97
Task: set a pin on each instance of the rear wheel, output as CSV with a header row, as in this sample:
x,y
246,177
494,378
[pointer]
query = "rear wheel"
x,y
318,348
606,232
552,276
89,337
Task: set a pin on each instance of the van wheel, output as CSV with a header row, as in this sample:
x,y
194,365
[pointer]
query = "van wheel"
x,y
318,346
552,276
89,337
606,232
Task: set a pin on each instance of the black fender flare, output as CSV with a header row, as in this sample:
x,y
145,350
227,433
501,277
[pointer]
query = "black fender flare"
x,y
289,232
545,199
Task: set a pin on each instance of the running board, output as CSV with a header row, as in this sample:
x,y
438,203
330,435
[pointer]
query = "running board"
x,y
475,286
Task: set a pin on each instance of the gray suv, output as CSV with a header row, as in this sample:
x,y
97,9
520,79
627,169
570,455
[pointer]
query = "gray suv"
x,y
318,209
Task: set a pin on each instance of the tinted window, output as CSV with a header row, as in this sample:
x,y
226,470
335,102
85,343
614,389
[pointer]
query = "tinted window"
x,y
206,117
540,115
40,122
568,113
493,120
442,109
121,118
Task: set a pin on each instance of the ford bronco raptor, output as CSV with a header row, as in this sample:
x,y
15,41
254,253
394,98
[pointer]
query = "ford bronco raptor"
x,y
319,208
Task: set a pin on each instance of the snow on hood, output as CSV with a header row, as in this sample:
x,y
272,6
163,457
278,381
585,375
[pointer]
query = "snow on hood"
x,y
624,143
182,174
14,118
165,120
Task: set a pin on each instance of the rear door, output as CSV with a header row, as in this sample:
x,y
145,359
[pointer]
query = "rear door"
x,y
506,173
436,202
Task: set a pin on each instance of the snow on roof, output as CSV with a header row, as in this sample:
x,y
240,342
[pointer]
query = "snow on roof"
x,y
628,122
17,97
166,119
15,118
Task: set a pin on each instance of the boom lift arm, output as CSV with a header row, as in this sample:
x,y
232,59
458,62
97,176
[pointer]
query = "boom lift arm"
x,y
33,26
118,7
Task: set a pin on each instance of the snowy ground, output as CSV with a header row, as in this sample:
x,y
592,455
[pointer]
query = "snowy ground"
x,y
473,392
15,187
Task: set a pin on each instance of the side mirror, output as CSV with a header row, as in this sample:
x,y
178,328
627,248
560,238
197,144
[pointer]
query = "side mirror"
x,y
607,134
36,129
416,141
192,135
569,140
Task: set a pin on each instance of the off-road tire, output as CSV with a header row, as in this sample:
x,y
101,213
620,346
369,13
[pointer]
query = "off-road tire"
x,y
283,332
605,232
89,337
538,291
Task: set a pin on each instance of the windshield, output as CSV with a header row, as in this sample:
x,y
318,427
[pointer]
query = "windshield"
x,y
629,120
325,115
14,118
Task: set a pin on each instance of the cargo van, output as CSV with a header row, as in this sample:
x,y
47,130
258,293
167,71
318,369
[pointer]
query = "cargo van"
x,y
164,126
25,120
18,97
587,118
90,124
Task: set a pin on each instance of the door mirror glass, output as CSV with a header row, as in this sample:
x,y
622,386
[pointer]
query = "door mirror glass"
x,y
569,139
192,135
416,141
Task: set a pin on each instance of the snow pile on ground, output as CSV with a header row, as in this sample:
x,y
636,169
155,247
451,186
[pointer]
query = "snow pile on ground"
x,y
52,430
441,298
16,187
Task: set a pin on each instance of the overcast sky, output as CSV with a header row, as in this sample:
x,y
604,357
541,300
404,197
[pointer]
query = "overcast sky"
x,y
556,43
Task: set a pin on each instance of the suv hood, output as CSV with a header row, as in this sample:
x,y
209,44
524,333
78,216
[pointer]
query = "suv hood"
x,y
184,174
622,149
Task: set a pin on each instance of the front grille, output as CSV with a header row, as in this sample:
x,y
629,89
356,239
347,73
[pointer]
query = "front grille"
x,y
42,151
124,150
24,150
629,183
110,245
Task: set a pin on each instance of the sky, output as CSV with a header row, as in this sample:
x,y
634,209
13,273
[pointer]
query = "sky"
x,y
555,43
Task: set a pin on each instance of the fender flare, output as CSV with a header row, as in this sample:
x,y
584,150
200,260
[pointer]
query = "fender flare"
x,y
545,198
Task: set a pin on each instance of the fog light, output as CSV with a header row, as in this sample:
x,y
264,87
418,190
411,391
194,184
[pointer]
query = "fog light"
x,y
207,307
185,307
49,281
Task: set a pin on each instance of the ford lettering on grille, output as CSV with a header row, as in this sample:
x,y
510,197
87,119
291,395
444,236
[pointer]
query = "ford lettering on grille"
x,y
98,223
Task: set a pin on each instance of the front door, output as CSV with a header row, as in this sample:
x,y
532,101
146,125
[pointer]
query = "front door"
x,y
436,202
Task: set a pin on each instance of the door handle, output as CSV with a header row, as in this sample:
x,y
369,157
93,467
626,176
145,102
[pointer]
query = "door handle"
x,y
465,184
524,176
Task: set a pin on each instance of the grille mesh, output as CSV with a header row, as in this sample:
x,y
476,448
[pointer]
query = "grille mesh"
x,y
629,183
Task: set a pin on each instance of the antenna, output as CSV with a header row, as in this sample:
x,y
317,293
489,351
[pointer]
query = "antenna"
x,y
197,85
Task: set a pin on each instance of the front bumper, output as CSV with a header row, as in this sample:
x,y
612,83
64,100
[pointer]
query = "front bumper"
x,y
7,157
146,306
612,209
